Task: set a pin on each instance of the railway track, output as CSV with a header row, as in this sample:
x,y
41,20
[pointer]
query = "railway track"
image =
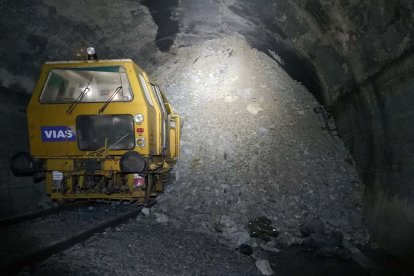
x,y
7,221
30,239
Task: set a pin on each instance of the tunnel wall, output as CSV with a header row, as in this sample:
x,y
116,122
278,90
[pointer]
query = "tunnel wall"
x,y
376,121
371,104
363,54
17,194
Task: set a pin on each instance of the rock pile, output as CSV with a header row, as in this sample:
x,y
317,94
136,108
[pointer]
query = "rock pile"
x,y
325,244
253,146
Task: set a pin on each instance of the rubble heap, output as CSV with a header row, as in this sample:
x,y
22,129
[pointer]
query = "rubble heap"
x,y
252,145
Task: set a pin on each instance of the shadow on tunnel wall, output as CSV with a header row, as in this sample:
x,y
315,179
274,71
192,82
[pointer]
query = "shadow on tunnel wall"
x,y
376,121
17,194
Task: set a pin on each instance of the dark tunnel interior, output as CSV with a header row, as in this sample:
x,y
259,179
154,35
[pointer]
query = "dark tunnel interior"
x,y
291,109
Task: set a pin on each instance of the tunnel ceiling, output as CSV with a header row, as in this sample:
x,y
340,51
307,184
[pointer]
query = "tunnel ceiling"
x,y
355,57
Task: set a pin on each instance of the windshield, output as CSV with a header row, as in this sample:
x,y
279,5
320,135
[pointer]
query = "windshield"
x,y
93,84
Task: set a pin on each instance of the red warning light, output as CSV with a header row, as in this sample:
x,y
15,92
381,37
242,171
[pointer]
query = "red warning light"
x,y
140,130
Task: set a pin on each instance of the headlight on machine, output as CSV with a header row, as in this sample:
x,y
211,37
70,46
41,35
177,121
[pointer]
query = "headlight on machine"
x,y
138,118
90,51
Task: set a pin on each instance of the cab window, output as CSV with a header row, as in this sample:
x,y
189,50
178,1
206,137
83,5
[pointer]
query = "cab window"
x,y
96,83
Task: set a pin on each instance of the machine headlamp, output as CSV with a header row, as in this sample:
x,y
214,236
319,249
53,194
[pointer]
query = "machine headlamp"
x,y
90,51
138,118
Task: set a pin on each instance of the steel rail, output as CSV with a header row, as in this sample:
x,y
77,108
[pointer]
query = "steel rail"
x,y
37,256
7,221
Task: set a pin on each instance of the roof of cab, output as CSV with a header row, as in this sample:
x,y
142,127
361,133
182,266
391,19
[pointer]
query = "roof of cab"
x,y
92,63
89,61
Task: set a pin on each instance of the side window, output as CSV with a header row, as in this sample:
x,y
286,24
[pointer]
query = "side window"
x,y
159,99
146,92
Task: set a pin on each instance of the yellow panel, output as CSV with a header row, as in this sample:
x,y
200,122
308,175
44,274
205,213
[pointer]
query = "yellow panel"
x,y
111,165
59,164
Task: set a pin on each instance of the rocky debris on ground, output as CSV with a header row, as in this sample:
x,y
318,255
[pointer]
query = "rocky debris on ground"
x,y
264,245
269,248
246,249
262,228
312,225
161,218
260,243
146,211
324,244
252,146
264,267
27,237
146,247
259,255
237,238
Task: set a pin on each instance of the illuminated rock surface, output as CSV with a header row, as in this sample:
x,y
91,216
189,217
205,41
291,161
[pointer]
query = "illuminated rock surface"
x,y
262,153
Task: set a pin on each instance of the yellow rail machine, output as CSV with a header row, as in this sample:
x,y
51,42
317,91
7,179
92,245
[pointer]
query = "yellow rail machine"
x,y
99,129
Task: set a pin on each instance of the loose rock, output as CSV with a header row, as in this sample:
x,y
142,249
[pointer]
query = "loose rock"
x,y
161,218
269,248
238,238
264,267
312,225
246,249
261,227
146,211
